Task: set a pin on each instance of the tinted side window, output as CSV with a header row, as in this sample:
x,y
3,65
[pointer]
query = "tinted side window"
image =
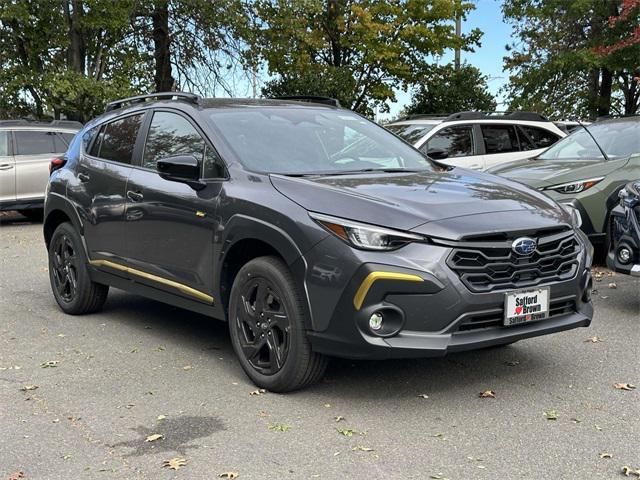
x,y
499,139
540,137
118,139
34,143
4,144
456,141
61,143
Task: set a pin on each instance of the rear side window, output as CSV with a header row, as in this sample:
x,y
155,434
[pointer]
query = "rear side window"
x,y
456,141
499,139
534,137
117,139
35,143
4,144
171,134
61,143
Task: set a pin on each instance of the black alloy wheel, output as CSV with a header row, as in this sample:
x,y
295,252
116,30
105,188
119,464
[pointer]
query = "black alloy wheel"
x,y
267,324
65,270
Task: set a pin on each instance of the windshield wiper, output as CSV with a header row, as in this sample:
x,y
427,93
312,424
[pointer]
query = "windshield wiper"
x,y
606,157
351,172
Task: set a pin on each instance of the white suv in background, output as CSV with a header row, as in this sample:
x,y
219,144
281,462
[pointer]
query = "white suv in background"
x,y
478,140
26,151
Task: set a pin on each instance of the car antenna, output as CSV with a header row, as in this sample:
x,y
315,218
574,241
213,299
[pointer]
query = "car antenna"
x,y
606,157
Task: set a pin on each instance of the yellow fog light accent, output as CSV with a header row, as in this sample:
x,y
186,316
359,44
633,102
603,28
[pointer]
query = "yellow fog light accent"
x,y
373,277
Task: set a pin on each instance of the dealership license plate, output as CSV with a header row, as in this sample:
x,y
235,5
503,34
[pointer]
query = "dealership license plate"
x,y
526,306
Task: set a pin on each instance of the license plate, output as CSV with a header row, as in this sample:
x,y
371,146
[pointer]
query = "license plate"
x,y
526,306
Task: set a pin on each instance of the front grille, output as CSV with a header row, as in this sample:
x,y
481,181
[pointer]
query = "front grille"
x,y
495,318
489,266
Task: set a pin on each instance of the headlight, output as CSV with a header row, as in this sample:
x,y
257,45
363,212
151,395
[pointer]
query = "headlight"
x,y
574,187
576,218
366,237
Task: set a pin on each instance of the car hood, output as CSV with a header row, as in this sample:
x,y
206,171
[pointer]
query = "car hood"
x,y
541,173
406,201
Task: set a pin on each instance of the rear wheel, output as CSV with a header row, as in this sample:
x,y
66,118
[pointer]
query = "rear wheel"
x,y
266,323
71,284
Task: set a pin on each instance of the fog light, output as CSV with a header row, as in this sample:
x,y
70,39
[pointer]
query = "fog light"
x,y
375,321
624,255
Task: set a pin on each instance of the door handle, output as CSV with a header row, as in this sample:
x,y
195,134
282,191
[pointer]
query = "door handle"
x,y
83,177
134,196
6,166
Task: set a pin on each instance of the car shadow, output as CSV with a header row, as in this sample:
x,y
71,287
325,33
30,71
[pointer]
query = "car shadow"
x,y
364,379
14,218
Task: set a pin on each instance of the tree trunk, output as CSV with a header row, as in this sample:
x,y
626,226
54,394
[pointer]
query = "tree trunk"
x,y
594,85
604,94
76,54
163,78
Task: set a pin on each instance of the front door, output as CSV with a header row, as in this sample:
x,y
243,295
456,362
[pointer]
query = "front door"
x,y
7,170
170,226
99,187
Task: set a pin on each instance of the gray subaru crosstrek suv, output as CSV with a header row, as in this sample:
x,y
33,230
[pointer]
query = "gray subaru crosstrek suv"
x,y
312,231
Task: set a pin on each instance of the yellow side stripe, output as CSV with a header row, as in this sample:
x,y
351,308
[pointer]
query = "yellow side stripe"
x,y
154,278
373,277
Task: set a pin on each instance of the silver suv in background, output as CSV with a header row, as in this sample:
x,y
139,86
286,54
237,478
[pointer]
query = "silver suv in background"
x,y
478,140
26,151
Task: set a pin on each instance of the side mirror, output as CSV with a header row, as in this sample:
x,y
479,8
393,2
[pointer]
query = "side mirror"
x,y
437,153
181,168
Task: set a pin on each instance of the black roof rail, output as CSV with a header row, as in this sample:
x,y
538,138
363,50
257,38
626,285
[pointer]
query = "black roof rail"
x,y
333,102
419,116
182,96
40,123
517,115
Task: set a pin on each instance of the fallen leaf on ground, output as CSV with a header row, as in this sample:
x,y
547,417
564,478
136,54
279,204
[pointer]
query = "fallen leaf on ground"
x,y
49,364
229,475
279,427
513,363
624,386
162,417
347,432
439,435
259,391
613,285
423,395
339,418
628,471
605,455
327,405
360,448
487,394
154,437
438,476
594,339
26,388
187,367
16,475
262,413
551,415
175,463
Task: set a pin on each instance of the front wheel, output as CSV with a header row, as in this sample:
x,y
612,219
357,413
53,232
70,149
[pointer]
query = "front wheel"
x,y
71,284
266,323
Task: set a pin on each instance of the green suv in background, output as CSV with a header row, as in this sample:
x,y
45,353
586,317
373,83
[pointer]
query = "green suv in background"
x,y
587,169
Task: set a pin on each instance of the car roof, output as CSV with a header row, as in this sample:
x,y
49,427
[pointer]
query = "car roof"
x,y
621,119
54,125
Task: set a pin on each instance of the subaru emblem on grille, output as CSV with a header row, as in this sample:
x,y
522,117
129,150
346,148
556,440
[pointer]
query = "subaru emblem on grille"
x,y
524,245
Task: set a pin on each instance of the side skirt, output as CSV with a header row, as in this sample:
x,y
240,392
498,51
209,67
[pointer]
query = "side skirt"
x,y
132,286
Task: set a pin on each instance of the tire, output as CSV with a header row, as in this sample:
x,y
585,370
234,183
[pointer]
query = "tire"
x,y
71,284
33,215
266,324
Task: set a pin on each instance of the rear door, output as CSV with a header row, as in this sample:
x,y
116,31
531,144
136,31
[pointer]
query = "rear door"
x,y
33,154
501,144
170,225
458,142
100,183
7,169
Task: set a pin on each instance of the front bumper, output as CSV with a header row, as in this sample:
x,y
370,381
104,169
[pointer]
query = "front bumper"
x,y
438,314
625,234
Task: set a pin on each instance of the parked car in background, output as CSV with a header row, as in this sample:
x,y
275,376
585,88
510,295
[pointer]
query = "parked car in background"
x,y
26,151
624,230
587,170
568,126
478,140
313,231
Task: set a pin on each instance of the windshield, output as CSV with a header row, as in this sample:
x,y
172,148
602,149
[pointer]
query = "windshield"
x,y
303,141
410,132
618,139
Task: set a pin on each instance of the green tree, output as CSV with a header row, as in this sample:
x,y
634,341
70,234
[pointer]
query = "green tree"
x,y
446,90
358,51
557,63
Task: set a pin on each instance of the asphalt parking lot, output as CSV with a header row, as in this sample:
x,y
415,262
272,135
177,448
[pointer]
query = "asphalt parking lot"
x,y
108,382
